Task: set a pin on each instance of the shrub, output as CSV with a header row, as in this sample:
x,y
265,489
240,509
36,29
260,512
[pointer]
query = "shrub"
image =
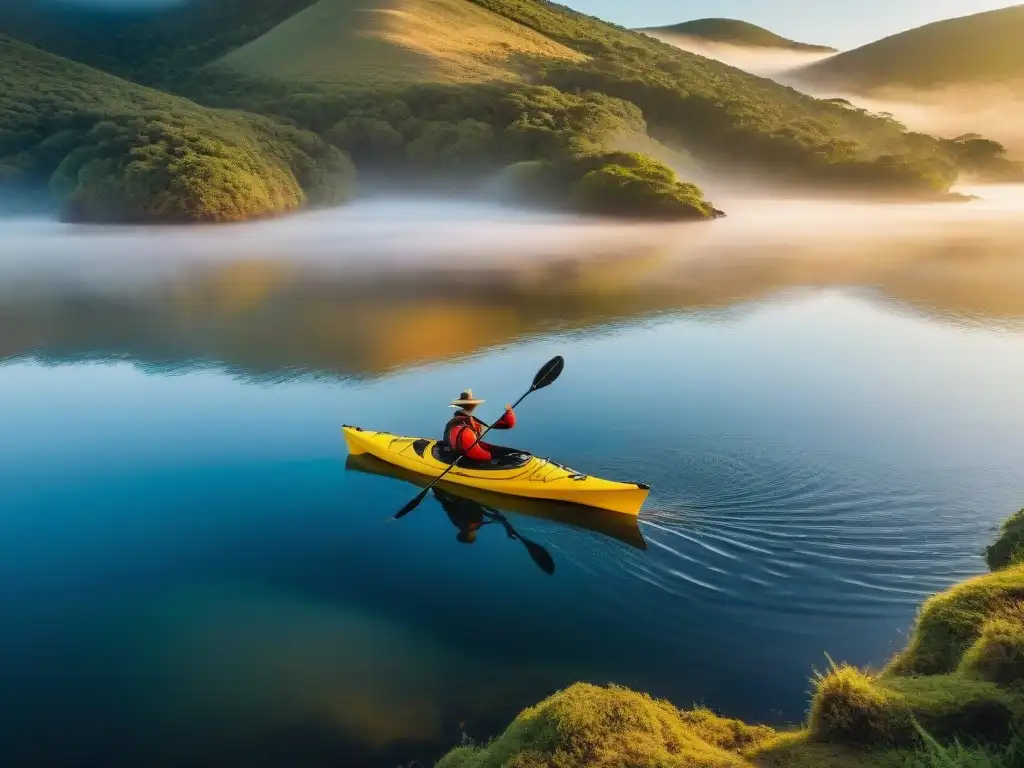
x,y
1008,549
852,708
950,622
998,654
849,707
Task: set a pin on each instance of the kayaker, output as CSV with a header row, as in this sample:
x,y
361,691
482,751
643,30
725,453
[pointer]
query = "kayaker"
x,y
464,428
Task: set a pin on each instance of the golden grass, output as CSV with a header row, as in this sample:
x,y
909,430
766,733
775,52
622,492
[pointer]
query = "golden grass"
x,y
586,725
856,709
950,622
998,654
387,42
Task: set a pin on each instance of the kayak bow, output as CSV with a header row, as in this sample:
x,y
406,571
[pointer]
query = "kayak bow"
x,y
513,473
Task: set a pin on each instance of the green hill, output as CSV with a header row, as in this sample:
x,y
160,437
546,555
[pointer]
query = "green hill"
x,y
420,90
723,115
984,48
735,32
110,150
370,43
146,44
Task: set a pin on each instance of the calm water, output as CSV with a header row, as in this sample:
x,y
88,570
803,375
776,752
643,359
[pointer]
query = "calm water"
x,y
825,399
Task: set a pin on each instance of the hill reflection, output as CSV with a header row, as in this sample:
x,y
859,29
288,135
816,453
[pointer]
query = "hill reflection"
x,y
259,306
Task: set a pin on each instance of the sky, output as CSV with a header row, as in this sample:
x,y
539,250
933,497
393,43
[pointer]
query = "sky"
x,y
840,23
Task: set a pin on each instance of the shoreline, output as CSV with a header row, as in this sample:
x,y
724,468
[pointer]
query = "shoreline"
x,y
55,215
953,697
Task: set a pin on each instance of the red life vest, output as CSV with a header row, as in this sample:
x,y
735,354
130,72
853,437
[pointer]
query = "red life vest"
x,y
458,422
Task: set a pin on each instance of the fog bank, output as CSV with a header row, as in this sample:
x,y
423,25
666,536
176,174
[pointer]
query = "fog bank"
x,y
380,287
994,110
764,62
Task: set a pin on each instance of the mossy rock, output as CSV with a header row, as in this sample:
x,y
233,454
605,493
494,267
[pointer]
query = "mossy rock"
x,y
587,726
950,622
850,707
1008,549
998,654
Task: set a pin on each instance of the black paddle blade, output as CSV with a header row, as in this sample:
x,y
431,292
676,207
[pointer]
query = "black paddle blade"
x,y
412,504
552,370
540,556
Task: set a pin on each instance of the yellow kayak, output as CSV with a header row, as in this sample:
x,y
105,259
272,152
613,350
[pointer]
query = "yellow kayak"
x,y
513,473
624,528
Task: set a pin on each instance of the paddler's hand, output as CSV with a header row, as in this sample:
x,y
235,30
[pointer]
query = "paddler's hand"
x,y
508,407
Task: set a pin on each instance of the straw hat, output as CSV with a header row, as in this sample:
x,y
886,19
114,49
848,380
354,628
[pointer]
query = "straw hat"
x,y
466,398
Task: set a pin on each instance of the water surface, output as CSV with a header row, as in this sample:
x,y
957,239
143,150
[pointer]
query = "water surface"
x,y
824,398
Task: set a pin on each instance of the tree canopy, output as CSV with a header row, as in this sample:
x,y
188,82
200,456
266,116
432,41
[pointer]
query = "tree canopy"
x,y
113,151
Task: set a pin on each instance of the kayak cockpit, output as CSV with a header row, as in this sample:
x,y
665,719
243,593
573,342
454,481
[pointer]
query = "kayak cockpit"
x,y
501,457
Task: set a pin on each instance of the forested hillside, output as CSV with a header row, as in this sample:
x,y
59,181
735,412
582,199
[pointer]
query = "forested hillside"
x,y
726,116
451,89
114,151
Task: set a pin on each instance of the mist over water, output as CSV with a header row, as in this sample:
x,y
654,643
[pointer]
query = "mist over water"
x,y
953,256
831,425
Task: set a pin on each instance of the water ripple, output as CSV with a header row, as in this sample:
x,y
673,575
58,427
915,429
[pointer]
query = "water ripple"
x,y
766,532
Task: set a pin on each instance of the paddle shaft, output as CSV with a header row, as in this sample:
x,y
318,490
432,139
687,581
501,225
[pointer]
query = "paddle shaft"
x,y
480,437
545,376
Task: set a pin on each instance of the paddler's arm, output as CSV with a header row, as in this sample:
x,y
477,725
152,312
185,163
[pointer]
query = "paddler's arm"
x,y
507,420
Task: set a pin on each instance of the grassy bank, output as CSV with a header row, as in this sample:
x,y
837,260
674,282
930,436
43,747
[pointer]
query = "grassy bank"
x,y
953,698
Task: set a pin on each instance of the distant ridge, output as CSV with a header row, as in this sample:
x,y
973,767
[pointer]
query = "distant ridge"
x,y
983,48
735,32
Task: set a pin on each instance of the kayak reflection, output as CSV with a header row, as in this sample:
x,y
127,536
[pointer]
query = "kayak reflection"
x,y
468,508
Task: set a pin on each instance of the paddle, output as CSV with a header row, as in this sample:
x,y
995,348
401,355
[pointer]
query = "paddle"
x,y
540,555
545,376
